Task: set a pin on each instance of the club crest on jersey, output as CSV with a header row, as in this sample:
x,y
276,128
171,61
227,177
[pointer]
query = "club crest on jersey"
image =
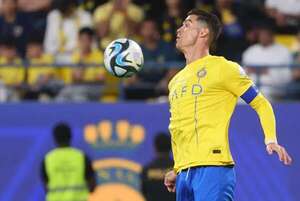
x,y
201,73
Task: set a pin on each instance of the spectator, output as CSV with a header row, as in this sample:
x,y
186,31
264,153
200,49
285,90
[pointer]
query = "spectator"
x,y
42,78
11,73
154,50
86,80
151,8
66,172
63,24
34,5
153,173
285,12
267,53
295,85
116,19
90,5
234,21
172,20
36,11
14,24
296,45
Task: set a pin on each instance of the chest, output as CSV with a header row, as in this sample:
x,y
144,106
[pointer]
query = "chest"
x,y
190,84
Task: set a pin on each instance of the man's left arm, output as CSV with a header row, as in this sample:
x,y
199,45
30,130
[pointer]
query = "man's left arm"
x,y
266,116
237,82
44,176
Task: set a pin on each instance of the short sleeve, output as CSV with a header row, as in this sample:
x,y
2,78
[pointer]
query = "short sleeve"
x,y
102,13
235,79
135,13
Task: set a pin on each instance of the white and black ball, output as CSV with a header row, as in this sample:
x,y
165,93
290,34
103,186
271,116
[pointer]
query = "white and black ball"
x,y
123,57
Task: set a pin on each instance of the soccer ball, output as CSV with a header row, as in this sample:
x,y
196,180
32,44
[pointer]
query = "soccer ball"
x,y
123,57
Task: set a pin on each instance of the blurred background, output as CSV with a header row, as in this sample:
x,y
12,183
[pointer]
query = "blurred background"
x,y
51,70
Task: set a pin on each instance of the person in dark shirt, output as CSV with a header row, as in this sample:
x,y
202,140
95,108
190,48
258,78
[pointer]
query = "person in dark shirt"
x,y
152,176
66,172
14,24
153,47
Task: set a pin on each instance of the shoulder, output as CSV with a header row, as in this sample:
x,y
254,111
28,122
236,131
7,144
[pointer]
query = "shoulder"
x,y
50,154
135,12
96,56
82,13
54,14
104,7
230,67
102,12
75,150
75,57
221,62
281,48
252,49
97,53
47,58
135,8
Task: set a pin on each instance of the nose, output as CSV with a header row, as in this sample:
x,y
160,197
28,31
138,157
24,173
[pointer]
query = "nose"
x,y
178,31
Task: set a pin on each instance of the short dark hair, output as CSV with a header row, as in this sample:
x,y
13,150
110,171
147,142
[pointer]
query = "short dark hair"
x,y
213,23
87,30
162,142
64,5
62,134
266,27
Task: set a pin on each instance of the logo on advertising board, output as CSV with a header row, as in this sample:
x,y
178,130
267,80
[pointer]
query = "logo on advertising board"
x,y
118,179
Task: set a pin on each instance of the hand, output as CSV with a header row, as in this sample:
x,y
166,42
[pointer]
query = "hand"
x,y
282,153
170,180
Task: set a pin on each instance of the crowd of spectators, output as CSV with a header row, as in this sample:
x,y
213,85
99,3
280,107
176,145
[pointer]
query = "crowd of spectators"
x,y
47,47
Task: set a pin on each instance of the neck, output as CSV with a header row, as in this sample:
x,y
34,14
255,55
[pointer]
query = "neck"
x,y
86,52
9,17
267,44
63,146
194,53
150,44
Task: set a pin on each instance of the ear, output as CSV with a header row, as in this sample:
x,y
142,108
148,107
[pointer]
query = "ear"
x,y
204,32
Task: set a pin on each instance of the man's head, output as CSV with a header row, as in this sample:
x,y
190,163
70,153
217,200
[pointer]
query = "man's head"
x,y
62,134
162,143
34,48
266,35
9,6
66,7
173,3
149,31
86,36
8,48
199,27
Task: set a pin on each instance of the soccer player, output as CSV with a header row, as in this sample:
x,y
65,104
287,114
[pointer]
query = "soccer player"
x,y
202,98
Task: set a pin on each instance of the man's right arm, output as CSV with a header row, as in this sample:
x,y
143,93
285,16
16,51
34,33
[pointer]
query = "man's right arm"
x,y
170,181
90,175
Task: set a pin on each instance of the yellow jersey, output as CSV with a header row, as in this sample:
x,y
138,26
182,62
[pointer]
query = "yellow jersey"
x,y
90,73
11,75
202,99
36,72
117,19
